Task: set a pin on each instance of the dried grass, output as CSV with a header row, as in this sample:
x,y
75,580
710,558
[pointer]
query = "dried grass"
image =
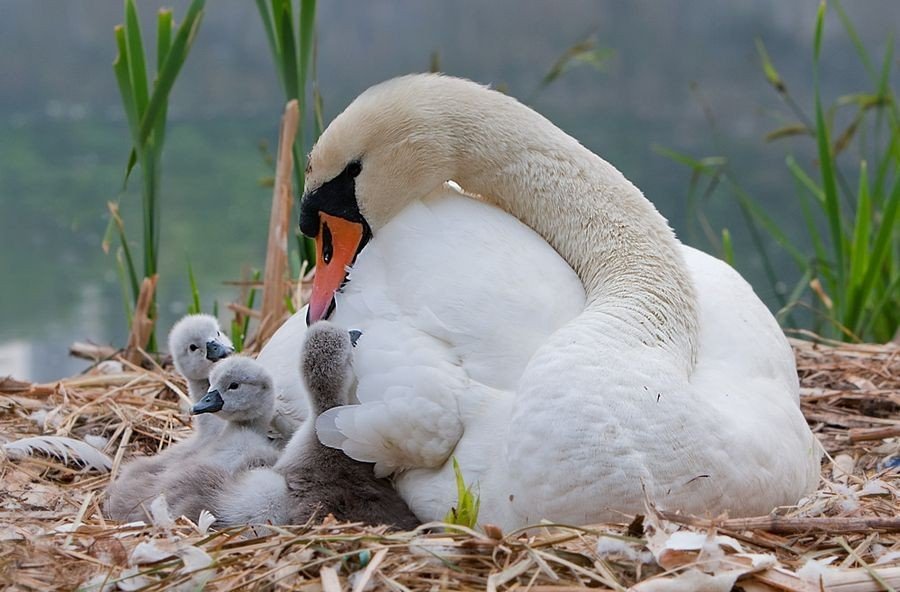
x,y
846,537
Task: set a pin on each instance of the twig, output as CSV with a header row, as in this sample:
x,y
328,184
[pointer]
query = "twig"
x,y
274,283
791,525
863,434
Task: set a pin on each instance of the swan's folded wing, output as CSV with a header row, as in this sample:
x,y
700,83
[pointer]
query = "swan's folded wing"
x,y
405,429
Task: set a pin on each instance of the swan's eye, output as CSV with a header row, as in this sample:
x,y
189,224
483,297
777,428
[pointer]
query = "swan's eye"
x,y
233,386
354,168
327,244
194,347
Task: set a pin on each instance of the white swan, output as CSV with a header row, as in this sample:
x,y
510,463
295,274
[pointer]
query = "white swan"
x,y
671,378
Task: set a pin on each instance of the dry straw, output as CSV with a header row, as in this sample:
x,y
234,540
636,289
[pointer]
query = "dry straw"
x,y
54,537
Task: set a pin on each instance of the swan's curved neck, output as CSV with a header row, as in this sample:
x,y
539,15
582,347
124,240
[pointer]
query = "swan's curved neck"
x,y
616,241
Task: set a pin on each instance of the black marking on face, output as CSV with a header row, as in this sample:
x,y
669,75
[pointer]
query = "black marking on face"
x,y
336,197
327,244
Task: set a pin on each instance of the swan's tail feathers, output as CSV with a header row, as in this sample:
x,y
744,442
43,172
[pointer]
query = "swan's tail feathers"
x,y
402,431
65,449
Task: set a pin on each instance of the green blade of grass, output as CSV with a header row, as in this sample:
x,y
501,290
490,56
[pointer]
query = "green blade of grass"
x,y
855,39
289,305
859,252
883,243
757,214
288,52
727,247
123,78
705,165
116,220
266,18
137,66
175,59
877,311
195,307
163,44
150,213
805,179
826,159
307,33
163,36
813,232
468,503
278,10
123,283
795,295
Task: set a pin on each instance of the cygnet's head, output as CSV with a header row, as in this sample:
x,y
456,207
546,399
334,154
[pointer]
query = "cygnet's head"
x,y
395,143
325,363
240,390
196,343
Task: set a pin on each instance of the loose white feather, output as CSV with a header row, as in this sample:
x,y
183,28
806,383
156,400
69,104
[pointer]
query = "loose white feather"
x,y
66,449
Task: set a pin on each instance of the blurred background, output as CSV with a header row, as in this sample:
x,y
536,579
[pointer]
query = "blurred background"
x,y
643,78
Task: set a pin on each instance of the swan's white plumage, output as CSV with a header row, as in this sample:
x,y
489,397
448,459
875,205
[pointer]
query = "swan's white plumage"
x,y
279,357
452,298
430,385
651,369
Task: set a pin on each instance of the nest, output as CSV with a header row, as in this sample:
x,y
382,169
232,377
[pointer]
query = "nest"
x,y
53,535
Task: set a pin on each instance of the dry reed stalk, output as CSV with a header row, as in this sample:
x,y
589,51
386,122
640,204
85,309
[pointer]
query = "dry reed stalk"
x,y
275,284
91,351
54,537
141,322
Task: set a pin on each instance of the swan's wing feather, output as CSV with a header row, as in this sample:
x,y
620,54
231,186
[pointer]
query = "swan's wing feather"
x,y
65,449
407,428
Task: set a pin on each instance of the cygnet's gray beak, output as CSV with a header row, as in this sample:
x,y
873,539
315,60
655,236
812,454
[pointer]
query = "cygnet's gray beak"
x,y
354,336
211,403
215,351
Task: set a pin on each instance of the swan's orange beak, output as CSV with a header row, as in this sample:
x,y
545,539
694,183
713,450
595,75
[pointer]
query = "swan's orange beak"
x,y
337,244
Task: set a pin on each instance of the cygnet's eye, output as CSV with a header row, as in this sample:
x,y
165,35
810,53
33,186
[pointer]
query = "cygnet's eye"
x,y
194,347
233,386
354,168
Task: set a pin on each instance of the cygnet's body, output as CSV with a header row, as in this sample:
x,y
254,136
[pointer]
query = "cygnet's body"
x,y
241,393
310,481
196,343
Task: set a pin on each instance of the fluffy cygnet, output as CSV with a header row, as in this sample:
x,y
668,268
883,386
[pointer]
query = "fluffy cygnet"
x,y
241,394
196,342
309,481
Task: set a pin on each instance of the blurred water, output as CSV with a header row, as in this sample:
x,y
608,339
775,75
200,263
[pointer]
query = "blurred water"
x,y
63,141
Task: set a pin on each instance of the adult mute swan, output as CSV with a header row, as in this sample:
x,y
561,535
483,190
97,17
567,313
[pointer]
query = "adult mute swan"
x,y
670,380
